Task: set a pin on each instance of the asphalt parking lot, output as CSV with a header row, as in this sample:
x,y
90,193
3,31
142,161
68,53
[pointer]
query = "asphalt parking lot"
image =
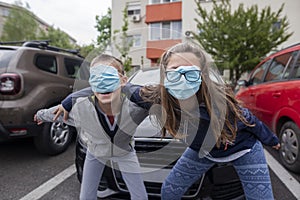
x,y
25,174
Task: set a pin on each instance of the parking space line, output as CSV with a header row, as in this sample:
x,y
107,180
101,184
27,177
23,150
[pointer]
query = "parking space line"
x,y
50,184
290,182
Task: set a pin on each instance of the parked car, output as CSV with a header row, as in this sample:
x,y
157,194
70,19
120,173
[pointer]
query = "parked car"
x,y
36,75
157,156
272,93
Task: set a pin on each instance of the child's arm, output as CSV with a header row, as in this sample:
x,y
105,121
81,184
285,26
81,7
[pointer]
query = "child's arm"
x,y
66,106
132,92
69,101
261,131
47,115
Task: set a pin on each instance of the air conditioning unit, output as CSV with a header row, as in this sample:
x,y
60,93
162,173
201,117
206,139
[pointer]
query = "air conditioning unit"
x,y
136,18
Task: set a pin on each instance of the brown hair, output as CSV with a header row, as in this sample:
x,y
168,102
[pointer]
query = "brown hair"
x,y
223,109
109,60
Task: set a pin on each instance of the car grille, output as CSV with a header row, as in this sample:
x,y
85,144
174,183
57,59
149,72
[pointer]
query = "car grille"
x,y
156,153
230,191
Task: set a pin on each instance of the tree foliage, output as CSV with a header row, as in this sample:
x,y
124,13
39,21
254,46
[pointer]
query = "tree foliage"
x,y
57,38
120,38
85,50
123,43
20,25
103,26
237,40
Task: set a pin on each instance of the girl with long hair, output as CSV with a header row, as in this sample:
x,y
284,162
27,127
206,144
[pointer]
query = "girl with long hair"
x,y
197,107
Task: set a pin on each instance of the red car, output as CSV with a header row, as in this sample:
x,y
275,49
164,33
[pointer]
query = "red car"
x,y
272,93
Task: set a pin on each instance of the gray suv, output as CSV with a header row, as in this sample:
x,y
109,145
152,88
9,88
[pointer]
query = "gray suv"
x,y
36,75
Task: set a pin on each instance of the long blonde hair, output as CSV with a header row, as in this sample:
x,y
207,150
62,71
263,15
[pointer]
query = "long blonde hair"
x,y
218,98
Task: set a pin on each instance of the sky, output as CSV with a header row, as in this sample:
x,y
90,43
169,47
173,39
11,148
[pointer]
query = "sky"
x,y
75,17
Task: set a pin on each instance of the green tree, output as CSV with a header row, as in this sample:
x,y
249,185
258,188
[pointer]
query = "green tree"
x,y
237,40
57,38
85,50
20,25
103,26
120,37
123,43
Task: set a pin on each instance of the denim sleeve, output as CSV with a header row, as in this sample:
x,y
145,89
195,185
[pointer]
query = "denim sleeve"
x,y
132,92
69,101
260,130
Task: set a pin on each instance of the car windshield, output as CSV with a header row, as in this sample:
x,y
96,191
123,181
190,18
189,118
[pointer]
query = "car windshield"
x,y
146,77
5,57
149,128
152,76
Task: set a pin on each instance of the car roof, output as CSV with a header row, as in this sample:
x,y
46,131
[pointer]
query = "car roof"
x,y
291,48
151,75
145,76
40,46
9,47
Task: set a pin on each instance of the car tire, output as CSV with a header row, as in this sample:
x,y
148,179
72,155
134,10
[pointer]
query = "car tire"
x,y
290,151
55,138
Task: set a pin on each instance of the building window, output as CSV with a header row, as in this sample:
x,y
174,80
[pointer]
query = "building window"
x,y
136,40
176,29
5,12
155,31
166,30
161,1
134,8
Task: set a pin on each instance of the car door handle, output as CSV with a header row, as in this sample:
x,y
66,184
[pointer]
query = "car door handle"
x,y
251,94
276,94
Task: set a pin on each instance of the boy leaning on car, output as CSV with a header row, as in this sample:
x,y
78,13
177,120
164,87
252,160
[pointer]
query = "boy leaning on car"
x,y
108,121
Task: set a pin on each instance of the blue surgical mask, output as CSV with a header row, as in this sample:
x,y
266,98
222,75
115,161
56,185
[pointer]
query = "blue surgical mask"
x,y
183,89
104,79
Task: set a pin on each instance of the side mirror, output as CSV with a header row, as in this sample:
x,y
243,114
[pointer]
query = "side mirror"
x,y
242,83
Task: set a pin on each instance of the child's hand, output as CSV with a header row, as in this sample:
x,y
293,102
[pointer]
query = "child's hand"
x,y
124,80
59,110
39,122
276,146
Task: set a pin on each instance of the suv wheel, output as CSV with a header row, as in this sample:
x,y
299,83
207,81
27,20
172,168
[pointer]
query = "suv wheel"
x,y
290,151
55,138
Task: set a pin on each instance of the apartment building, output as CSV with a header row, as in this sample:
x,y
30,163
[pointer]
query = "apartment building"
x,y
155,25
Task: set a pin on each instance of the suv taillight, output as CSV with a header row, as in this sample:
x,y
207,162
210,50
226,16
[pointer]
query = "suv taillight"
x,y
10,83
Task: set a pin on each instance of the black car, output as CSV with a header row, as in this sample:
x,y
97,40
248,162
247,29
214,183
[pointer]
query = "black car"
x,y
157,156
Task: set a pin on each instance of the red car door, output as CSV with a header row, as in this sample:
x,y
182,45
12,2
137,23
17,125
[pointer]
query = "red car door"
x,y
266,90
248,94
268,100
